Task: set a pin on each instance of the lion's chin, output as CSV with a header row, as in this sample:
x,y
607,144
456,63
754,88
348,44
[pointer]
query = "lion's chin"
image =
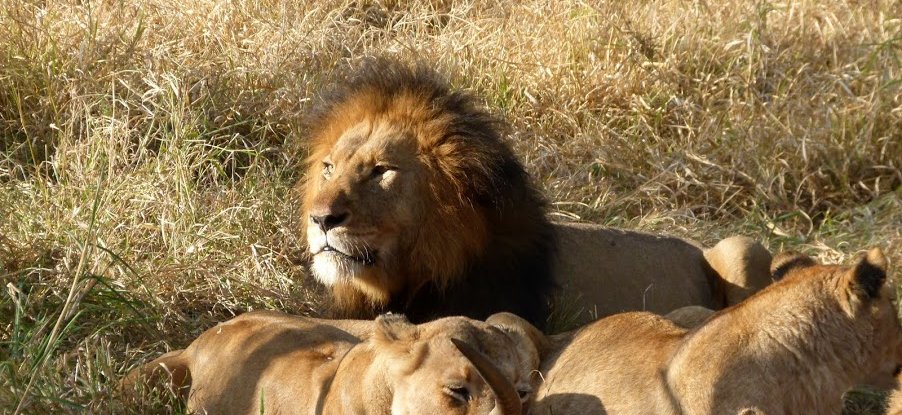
x,y
331,268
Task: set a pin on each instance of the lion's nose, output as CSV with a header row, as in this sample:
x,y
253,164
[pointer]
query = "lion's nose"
x,y
329,221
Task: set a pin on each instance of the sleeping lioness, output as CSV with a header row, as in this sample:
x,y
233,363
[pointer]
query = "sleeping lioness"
x,y
793,348
267,362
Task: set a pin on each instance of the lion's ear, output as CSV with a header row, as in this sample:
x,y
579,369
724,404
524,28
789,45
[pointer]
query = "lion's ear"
x,y
391,328
788,260
868,274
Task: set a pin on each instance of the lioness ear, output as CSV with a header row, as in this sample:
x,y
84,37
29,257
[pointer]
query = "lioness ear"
x,y
392,328
869,273
513,323
788,260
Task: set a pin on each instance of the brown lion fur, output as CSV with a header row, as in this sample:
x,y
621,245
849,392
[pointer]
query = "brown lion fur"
x,y
413,203
482,228
794,347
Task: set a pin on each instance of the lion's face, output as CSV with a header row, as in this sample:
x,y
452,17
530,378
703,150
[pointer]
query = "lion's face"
x,y
410,190
363,201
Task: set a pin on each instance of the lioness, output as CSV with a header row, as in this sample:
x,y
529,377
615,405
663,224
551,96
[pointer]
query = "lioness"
x,y
413,202
277,363
894,406
792,348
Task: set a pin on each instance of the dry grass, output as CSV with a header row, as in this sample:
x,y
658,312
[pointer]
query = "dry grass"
x,y
148,148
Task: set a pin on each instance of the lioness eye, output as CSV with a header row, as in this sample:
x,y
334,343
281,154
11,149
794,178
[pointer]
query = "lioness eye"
x,y
523,393
459,393
327,169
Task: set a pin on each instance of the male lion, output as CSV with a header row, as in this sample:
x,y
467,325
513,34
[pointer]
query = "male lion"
x,y
413,203
795,347
267,362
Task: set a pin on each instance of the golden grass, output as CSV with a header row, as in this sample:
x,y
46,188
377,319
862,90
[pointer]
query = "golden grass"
x,y
782,121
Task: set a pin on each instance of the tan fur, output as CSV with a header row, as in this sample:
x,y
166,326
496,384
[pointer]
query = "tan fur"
x,y
794,347
611,366
690,316
606,271
286,364
742,263
430,203
894,406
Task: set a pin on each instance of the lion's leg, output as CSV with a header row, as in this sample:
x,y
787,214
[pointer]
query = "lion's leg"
x,y
743,265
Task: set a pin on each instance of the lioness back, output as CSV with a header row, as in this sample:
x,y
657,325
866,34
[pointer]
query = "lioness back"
x,y
894,406
610,366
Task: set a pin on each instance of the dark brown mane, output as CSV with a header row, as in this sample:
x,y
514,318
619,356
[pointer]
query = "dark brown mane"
x,y
474,174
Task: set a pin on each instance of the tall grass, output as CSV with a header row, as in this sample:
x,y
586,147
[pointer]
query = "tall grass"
x,y
148,148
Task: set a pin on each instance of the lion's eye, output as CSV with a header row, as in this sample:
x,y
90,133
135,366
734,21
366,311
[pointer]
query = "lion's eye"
x,y
523,393
458,392
379,170
327,169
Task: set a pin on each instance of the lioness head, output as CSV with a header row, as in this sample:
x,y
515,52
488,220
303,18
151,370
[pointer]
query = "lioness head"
x,y
455,365
866,297
407,185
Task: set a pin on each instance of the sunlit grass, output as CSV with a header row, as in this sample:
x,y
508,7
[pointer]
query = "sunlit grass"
x,y
181,120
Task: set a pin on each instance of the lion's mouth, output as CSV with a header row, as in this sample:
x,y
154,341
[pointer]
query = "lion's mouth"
x,y
367,257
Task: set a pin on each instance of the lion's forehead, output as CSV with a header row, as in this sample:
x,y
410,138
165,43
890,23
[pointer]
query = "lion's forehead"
x,y
351,140
369,141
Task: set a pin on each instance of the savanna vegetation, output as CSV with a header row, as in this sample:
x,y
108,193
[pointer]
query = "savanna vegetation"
x,y
148,149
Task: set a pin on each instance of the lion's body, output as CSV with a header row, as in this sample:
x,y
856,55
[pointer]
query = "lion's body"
x,y
603,271
794,347
277,363
413,203
607,271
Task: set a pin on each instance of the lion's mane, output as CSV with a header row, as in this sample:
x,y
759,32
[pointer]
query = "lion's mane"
x,y
486,245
